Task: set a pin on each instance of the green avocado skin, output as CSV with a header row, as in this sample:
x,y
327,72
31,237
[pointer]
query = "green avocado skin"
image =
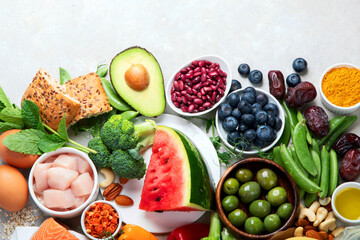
x,y
150,101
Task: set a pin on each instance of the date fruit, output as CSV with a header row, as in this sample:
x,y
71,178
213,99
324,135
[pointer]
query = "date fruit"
x,y
303,92
350,165
317,121
276,84
346,142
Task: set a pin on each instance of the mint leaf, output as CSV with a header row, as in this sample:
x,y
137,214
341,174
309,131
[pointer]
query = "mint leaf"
x,y
62,129
224,157
12,115
50,143
4,99
4,126
25,141
64,76
30,114
209,123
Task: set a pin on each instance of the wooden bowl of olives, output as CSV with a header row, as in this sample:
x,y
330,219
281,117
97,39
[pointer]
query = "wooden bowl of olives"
x,y
256,198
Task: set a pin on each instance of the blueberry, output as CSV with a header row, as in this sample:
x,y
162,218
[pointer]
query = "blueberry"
x,y
243,128
261,117
251,90
261,99
224,111
236,113
293,79
248,119
235,85
249,97
278,124
244,69
259,143
230,123
274,135
255,77
233,99
271,120
233,138
250,135
264,133
271,109
299,64
244,107
255,108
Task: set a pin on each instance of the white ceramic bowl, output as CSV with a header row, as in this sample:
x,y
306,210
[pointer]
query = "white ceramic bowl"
x,y
83,220
329,105
336,192
224,66
223,133
74,212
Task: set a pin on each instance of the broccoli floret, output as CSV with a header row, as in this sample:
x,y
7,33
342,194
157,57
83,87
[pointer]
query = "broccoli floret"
x,y
119,133
124,165
102,157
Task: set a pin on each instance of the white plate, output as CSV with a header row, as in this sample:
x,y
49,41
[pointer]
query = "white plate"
x,y
167,221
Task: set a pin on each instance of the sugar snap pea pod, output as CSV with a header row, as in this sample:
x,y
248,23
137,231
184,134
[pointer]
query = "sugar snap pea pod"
x,y
285,137
64,76
300,118
113,97
302,149
334,124
297,160
276,156
334,172
102,71
291,113
325,172
349,120
128,115
310,197
291,167
315,146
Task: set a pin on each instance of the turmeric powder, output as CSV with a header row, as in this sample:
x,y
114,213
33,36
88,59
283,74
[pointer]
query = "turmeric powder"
x,y
341,86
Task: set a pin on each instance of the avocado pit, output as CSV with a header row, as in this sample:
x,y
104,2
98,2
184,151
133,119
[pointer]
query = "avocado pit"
x,y
137,77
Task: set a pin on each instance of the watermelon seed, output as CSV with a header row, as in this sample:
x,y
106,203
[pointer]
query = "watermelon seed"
x,y
159,211
155,189
166,161
158,199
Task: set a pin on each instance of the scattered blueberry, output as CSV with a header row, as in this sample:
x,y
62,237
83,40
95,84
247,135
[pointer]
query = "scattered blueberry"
x,y
264,133
230,123
271,120
251,90
243,128
233,99
278,124
236,113
261,117
299,64
235,85
244,69
293,79
250,134
224,111
233,138
244,107
261,99
248,119
249,97
255,77
271,109
255,108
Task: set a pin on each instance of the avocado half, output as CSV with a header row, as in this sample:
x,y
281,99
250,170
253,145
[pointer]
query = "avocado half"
x,y
137,78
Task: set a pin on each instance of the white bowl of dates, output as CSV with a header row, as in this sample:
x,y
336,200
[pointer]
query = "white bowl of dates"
x,y
199,86
332,96
250,120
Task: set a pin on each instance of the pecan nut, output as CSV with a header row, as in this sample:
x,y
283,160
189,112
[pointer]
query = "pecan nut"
x,y
313,234
123,200
112,191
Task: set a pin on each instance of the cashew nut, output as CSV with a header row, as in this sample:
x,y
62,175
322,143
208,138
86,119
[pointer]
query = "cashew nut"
x,y
321,214
314,206
299,232
109,177
324,201
337,231
329,223
308,212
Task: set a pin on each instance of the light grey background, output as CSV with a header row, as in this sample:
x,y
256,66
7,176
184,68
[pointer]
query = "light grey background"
x,y
268,35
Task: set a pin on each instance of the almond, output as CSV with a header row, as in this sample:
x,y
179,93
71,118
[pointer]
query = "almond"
x,y
123,200
331,237
112,191
302,223
324,234
123,180
314,234
309,227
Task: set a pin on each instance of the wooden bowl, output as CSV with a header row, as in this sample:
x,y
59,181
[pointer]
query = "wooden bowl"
x,y
284,180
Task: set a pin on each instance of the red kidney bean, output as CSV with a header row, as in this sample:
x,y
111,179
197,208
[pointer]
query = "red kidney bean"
x,y
176,85
201,109
188,97
195,80
197,86
201,63
183,92
177,104
194,92
207,89
207,83
209,98
173,97
197,74
207,104
191,108
199,95
178,99
203,98
188,76
213,96
188,68
183,99
181,85
198,101
221,84
203,70
183,108
202,91
208,62
214,87
225,75
221,91
177,76
172,89
197,69
203,77
191,72
195,63
182,77
189,90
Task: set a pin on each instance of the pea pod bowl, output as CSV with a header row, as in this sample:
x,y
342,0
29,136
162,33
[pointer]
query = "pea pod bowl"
x,y
284,180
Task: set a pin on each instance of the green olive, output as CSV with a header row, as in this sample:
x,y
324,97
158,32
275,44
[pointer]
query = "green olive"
x,y
276,196
272,223
249,191
237,217
267,178
230,203
260,208
254,225
244,175
231,186
285,210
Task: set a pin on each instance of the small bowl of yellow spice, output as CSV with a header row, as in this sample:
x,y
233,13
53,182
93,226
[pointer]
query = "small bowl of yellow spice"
x,y
340,88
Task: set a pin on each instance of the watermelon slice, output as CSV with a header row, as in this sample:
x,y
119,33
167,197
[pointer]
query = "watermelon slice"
x,y
177,178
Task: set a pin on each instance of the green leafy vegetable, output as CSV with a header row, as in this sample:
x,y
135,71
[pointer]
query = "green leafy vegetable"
x,y
30,114
51,142
4,126
12,115
4,100
62,132
25,141
64,76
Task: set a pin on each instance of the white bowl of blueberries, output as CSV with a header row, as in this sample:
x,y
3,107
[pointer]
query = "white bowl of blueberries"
x,y
250,120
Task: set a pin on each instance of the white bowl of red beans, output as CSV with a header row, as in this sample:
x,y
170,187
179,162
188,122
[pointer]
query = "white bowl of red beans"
x,y
199,86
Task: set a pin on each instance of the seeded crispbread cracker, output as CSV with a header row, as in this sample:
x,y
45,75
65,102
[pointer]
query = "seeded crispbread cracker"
x,y
51,99
89,91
